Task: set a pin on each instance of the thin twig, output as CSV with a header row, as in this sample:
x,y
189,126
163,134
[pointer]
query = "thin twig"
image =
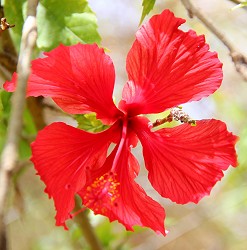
x,y
10,152
239,59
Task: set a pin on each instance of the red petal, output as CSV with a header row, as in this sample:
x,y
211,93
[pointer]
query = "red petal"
x,y
185,162
168,67
62,155
80,79
117,196
10,86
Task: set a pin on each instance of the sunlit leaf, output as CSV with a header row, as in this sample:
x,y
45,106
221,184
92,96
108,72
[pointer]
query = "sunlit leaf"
x,y
90,123
147,7
67,22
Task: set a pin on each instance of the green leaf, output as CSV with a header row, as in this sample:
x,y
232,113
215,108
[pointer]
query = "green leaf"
x,y
28,131
28,134
67,22
13,10
1,106
5,100
28,124
4,116
147,7
90,123
24,150
5,108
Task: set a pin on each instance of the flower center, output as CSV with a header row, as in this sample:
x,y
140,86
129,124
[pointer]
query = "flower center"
x,y
102,192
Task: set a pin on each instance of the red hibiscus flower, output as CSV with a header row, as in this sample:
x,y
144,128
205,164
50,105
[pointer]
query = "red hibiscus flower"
x,y
166,67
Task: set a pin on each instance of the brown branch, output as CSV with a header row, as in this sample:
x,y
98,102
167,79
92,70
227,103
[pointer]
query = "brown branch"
x,y
8,62
35,107
8,54
4,74
10,152
239,59
236,1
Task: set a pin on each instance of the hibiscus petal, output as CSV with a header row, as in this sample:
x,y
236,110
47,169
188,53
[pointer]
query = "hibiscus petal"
x,y
62,155
117,196
185,162
80,79
167,67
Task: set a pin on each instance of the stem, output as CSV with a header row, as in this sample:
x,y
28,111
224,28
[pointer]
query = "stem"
x,y
239,59
10,151
83,222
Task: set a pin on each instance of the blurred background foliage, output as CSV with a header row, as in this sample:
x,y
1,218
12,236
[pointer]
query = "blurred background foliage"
x,y
218,221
